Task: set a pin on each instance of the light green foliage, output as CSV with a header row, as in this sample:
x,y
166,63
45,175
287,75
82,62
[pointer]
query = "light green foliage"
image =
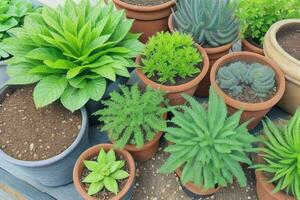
x,y
133,116
211,22
206,144
281,153
257,16
12,13
105,172
237,75
71,51
169,56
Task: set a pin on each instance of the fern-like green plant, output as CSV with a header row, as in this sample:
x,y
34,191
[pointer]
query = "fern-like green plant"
x,y
237,75
70,51
133,116
168,56
105,171
206,144
281,154
211,22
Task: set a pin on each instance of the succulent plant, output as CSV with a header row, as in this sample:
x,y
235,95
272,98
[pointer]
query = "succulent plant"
x,y
236,75
210,22
206,144
105,172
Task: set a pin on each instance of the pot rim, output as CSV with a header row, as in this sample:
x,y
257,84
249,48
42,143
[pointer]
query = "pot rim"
x,y
49,161
145,8
245,42
88,154
238,56
176,88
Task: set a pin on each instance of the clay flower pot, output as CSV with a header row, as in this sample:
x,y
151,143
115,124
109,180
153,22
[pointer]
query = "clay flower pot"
x,y
289,65
173,93
248,46
148,19
213,54
124,193
254,111
194,191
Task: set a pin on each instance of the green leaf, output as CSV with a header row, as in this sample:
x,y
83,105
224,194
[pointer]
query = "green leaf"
x,y
73,98
95,188
111,156
96,88
120,174
106,71
102,157
24,79
44,54
93,177
91,165
111,185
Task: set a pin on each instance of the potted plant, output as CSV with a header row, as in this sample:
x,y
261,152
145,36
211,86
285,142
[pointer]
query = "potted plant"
x,y
102,172
206,146
150,16
249,82
174,64
257,16
212,25
134,120
281,44
278,167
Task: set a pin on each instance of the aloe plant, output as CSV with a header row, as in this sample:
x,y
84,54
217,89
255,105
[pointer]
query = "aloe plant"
x,y
71,51
206,144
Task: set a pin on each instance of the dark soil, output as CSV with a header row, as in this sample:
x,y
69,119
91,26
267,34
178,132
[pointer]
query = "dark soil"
x,y
105,194
255,42
289,39
31,134
146,2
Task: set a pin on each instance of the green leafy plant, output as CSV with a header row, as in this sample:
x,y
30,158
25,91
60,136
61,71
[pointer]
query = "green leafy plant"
x,y
12,13
257,16
169,56
206,144
237,75
281,154
71,51
133,116
210,22
105,172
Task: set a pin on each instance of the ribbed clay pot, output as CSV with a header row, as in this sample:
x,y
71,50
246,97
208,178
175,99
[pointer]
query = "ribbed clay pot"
x,y
248,46
289,65
254,111
125,193
174,93
148,19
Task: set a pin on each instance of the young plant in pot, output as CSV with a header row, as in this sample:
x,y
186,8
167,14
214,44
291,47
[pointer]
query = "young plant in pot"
x,y
278,168
206,146
248,82
134,120
150,16
212,25
282,45
172,63
103,173
257,16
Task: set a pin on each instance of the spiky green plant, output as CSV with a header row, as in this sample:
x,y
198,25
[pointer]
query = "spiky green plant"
x,y
237,75
105,172
70,51
206,144
281,154
211,22
133,116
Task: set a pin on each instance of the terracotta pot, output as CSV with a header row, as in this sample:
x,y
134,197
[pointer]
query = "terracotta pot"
x,y
247,46
196,191
213,54
173,93
125,192
254,111
148,19
289,65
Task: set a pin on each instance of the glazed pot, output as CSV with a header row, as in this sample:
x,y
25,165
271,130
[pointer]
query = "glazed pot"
x,y
248,46
174,93
148,19
213,54
289,65
125,193
254,111
57,170
3,74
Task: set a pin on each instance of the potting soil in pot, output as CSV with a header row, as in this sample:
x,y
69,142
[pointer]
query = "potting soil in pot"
x,y
145,2
289,39
30,134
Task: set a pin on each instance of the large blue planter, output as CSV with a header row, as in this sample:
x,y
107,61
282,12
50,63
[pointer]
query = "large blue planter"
x,y
57,170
